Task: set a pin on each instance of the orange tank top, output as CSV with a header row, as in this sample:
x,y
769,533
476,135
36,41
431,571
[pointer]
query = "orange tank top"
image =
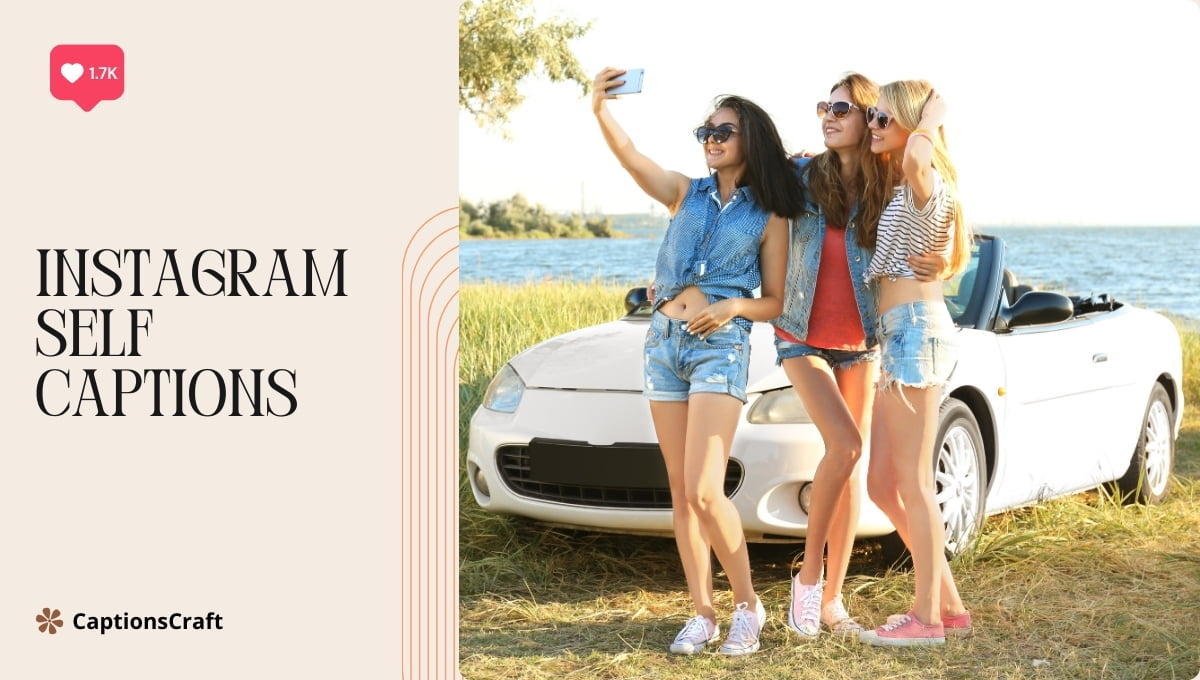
x,y
835,322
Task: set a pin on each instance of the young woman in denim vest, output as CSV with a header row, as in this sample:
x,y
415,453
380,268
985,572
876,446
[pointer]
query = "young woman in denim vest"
x,y
825,340
918,343
727,236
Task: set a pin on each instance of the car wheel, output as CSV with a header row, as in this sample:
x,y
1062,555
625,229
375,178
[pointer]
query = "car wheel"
x,y
1149,474
959,475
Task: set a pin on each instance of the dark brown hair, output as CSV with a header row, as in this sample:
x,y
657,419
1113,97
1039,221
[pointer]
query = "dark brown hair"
x,y
769,173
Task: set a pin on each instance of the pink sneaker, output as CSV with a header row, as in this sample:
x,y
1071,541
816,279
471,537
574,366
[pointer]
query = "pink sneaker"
x,y
957,626
804,612
905,631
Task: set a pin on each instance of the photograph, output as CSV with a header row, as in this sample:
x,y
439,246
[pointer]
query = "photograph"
x,y
851,340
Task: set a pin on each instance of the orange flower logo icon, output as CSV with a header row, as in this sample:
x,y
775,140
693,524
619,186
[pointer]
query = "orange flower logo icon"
x,y
49,621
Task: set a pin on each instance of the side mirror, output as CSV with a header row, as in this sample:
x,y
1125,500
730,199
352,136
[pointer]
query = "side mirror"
x,y
1036,307
636,297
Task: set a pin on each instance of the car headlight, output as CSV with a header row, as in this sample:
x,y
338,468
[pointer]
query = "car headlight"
x,y
505,391
780,407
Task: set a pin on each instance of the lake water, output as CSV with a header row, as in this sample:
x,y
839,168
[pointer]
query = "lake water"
x,y
1153,267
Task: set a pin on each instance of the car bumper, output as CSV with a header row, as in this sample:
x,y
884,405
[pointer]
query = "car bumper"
x,y
776,461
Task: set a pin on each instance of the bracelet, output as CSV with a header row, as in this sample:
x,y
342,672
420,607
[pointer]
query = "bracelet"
x,y
926,135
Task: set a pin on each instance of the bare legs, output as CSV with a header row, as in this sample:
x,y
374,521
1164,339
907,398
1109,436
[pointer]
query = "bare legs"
x,y
695,438
839,403
900,482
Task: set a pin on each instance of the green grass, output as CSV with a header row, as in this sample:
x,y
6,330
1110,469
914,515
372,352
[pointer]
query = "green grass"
x,y
1074,588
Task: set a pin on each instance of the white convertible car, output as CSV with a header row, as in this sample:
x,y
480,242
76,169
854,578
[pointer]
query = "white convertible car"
x,y
1053,395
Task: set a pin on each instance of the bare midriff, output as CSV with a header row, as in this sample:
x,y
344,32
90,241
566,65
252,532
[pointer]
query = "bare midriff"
x,y
905,290
687,304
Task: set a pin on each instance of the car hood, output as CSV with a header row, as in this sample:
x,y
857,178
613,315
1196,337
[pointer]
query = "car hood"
x,y
608,357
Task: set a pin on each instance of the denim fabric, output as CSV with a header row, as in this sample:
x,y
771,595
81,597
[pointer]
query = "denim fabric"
x,y
679,364
836,358
804,256
711,246
920,345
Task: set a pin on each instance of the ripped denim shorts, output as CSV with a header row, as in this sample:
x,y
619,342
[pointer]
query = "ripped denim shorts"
x,y
838,359
919,343
678,364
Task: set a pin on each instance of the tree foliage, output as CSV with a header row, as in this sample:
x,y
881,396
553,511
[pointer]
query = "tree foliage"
x,y
517,218
499,44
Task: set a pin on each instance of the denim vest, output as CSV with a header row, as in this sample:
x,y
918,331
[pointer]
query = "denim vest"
x,y
711,246
804,256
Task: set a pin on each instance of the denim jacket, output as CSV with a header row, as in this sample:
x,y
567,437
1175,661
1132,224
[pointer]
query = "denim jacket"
x,y
804,256
711,246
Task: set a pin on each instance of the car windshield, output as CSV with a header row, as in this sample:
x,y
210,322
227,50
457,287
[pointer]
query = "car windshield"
x,y
958,289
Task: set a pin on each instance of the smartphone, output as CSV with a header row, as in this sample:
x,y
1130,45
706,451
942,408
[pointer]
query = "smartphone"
x,y
633,82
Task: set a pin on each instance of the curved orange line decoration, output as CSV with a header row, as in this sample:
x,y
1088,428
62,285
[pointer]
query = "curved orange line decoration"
x,y
429,434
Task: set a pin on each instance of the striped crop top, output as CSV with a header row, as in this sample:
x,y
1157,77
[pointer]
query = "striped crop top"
x,y
904,230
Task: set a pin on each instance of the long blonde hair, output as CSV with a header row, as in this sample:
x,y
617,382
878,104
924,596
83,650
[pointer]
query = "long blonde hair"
x,y
907,99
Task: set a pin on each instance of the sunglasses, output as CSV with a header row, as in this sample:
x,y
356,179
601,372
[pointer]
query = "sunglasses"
x,y
883,119
839,109
719,134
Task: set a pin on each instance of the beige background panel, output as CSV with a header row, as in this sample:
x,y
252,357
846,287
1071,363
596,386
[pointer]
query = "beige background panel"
x,y
254,126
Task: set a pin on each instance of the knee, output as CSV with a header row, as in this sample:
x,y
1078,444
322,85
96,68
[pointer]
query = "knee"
x,y
849,453
907,483
842,454
881,490
702,499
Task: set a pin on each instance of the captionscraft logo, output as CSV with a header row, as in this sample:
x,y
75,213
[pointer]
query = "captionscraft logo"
x,y
49,620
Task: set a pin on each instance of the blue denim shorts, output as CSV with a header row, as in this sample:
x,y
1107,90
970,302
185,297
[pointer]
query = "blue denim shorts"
x,y
919,345
679,364
837,359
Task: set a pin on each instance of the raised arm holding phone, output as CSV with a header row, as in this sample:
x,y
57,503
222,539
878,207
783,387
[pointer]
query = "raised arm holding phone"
x,y
727,237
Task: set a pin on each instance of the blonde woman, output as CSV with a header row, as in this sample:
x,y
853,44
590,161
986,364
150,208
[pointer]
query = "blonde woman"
x,y
825,340
918,348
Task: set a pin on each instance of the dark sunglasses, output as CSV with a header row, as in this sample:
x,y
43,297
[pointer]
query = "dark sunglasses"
x,y
874,114
719,134
839,109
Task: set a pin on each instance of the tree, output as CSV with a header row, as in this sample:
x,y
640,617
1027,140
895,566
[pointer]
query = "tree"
x,y
499,44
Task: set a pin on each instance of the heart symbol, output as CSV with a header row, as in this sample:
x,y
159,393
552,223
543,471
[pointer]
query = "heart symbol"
x,y
71,72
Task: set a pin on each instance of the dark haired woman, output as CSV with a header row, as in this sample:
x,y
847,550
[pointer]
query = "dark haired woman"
x,y
727,236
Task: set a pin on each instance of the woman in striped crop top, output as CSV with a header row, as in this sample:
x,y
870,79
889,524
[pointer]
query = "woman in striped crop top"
x,y
825,341
727,236
917,340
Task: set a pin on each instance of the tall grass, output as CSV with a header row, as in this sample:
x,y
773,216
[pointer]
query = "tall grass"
x,y
1080,587
1189,339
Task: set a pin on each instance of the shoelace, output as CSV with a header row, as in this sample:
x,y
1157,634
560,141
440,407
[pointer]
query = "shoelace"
x,y
810,607
695,630
741,630
893,625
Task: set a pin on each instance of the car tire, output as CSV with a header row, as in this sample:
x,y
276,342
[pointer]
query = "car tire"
x,y
960,475
960,483
1149,475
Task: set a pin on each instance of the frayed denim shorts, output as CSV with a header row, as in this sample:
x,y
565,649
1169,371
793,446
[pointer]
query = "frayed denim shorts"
x,y
919,344
679,364
837,359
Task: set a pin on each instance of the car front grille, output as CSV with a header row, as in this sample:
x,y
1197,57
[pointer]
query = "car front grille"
x,y
620,475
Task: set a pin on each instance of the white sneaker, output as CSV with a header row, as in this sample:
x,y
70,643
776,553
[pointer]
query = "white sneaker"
x,y
804,614
695,636
840,622
745,629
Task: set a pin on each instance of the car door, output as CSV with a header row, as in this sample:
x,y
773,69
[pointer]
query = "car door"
x,y
1056,400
